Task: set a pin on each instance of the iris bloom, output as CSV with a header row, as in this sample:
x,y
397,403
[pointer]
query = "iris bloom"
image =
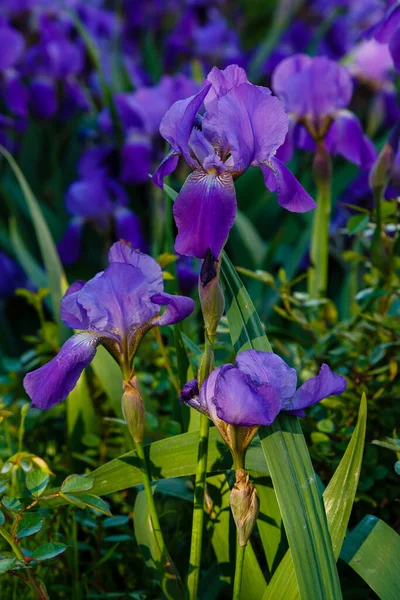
x,y
243,126
257,388
316,92
115,308
387,31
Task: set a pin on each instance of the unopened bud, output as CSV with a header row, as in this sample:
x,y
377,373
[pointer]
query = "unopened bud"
x,y
133,409
381,170
322,166
244,505
211,295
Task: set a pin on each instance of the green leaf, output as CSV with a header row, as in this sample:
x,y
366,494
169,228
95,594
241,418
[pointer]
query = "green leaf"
x,y
96,503
373,550
289,463
171,457
357,223
36,481
11,503
34,272
77,483
30,524
2,518
250,237
73,500
6,564
269,522
150,549
48,551
51,260
110,377
81,416
397,467
338,500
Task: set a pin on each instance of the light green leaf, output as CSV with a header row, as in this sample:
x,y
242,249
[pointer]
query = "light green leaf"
x,y
36,481
34,272
81,416
6,564
77,483
48,551
338,500
51,260
96,503
2,518
269,522
30,524
110,377
73,500
373,550
150,549
289,463
11,503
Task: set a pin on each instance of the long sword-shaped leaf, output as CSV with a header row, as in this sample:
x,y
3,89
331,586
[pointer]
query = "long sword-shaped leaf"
x,y
373,550
173,457
51,260
289,463
338,499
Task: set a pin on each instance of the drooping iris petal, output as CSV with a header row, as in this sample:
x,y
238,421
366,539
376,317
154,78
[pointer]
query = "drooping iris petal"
x,y
204,212
178,308
267,367
346,137
166,167
190,396
207,393
291,194
89,197
178,121
394,47
316,389
69,247
238,402
16,95
52,383
127,227
254,123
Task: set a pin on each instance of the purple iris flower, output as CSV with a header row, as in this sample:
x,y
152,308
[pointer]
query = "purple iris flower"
x,y
115,308
99,199
257,388
316,92
243,126
387,31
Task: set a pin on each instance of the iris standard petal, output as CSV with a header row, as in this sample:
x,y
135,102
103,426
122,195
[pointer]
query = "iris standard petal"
x,y
122,253
52,383
223,81
178,121
177,308
291,194
16,96
316,389
346,137
254,123
136,159
267,367
238,402
72,313
204,212
43,97
12,46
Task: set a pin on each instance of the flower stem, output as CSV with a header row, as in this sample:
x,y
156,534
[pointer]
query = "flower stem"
x,y
237,584
207,365
318,272
165,558
33,583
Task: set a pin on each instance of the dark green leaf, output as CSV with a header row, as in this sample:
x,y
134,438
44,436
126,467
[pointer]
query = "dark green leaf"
x,y
6,564
30,524
96,503
48,551
36,482
11,503
357,223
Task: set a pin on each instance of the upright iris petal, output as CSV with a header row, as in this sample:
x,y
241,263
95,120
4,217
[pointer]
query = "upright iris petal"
x,y
243,126
115,308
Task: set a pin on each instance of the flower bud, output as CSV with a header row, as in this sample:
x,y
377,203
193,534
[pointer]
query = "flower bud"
x,y
244,505
133,409
211,296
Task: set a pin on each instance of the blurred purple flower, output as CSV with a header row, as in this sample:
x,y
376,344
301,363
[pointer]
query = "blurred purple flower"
x,y
316,92
188,271
242,127
99,199
11,276
387,31
115,308
257,388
